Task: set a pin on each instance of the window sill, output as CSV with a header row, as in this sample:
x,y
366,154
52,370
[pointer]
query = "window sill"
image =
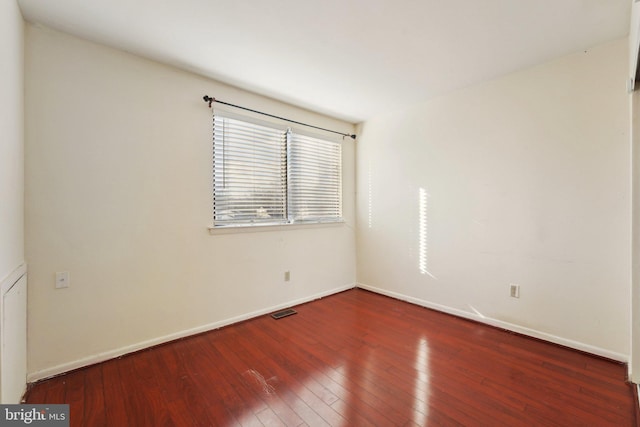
x,y
280,227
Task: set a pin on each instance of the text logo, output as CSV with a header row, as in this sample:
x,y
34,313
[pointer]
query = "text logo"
x,y
34,415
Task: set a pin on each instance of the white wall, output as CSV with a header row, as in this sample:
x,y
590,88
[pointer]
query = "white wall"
x,y
11,144
12,268
526,181
119,193
634,362
634,46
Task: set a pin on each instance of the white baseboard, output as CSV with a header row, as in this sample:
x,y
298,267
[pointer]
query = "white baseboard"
x,y
112,354
587,348
101,357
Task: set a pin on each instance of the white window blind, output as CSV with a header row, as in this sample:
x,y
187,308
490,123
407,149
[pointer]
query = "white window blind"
x,y
269,175
249,181
315,179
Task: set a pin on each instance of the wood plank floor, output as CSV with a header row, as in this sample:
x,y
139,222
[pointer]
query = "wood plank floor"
x,y
351,359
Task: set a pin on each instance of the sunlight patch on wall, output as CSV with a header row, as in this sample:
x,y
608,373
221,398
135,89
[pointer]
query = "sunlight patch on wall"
x,y
482,316
370,196
423,236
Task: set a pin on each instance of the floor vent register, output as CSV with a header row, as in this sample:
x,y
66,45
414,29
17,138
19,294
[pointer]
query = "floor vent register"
x,y
283,313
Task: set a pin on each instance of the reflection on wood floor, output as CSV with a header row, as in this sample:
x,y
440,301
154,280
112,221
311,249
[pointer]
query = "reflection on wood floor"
x,y
351,359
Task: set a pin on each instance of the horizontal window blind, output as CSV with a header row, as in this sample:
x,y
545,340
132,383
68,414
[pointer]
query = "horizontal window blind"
x,y
250,166
315,179
264,174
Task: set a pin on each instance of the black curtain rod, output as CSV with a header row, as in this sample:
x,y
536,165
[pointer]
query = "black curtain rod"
x,y
210,100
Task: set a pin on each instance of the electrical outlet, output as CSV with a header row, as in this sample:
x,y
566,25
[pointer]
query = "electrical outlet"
x,y
287,276
514,291
62,279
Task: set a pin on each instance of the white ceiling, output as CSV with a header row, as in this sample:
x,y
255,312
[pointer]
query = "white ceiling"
x,y
345,58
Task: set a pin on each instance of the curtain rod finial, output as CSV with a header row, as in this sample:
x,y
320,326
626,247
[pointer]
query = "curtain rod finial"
x,y
208,99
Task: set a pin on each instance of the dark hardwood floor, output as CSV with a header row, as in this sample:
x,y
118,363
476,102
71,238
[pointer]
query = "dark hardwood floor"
x,y
352,359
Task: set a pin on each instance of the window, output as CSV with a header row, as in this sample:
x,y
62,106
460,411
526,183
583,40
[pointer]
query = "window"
x,y
269,175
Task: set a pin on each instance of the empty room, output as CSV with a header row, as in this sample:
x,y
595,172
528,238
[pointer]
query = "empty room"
x,y
337,213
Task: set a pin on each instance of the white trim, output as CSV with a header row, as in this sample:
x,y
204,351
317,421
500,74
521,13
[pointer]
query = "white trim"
x,y
7,283
587,348
101,357
12,278
229,229
112,354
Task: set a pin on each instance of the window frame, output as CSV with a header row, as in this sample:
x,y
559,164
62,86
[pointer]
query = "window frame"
x,y
288,221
